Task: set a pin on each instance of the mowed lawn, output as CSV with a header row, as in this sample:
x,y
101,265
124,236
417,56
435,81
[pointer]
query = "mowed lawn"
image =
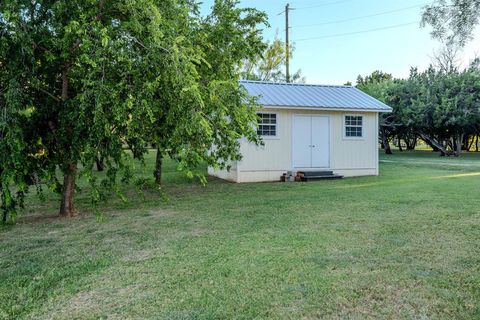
x,y
402,245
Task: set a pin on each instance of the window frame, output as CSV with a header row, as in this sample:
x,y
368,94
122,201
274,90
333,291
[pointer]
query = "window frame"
x,y
362,137
267,137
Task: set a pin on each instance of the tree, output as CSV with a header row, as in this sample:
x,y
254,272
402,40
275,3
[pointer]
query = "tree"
x,y
453,21
376,85
84,79
447,60
441,108
13,165
377,76
270,65
207,123
78,73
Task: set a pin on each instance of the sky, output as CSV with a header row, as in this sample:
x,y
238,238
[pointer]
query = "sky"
x,y
327,56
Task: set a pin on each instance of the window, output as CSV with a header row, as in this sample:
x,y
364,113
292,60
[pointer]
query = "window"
x,y
353,126
267,124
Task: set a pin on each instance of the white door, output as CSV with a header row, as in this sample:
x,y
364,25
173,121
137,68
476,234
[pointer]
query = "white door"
x,y
302,142
311,137
320,142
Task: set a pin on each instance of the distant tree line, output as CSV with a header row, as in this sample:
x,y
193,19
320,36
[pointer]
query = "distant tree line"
x,y
441,105
440,108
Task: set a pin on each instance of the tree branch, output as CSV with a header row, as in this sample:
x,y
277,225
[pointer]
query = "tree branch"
x,y
50,95
101,5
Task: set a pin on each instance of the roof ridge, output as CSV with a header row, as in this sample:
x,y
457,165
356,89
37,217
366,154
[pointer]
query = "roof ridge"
x,y
298,95
296,84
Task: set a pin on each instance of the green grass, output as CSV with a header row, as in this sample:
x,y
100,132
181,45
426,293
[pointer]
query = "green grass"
x,y
402,245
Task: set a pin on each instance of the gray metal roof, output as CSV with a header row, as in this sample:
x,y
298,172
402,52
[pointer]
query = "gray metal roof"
x,y
300,96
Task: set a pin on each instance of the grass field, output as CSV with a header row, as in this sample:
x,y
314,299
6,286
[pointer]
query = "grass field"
x,y
405,244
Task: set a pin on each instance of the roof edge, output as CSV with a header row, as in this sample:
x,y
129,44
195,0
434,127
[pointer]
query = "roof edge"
x,y
295,84
341,109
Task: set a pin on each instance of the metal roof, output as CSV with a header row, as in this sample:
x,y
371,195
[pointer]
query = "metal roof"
x,y
306,96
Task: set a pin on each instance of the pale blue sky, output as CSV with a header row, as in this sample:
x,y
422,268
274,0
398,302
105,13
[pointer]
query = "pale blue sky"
x,y
335,60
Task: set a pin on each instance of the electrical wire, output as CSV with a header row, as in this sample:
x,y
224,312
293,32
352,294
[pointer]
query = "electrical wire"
x,y
359,32
322,5
359,17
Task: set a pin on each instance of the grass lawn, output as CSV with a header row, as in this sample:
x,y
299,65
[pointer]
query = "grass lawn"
x,y
405,244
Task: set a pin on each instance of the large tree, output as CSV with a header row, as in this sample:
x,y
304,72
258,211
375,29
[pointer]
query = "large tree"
x,y
85,78
446,107
453,21
78,73
202,119
442,108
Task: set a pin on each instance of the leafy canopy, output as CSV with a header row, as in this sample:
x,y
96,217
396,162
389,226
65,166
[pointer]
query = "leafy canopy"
x,y
86,78
270,65
453,21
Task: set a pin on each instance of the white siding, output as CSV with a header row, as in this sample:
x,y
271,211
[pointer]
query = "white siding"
x,y
348,156
231,175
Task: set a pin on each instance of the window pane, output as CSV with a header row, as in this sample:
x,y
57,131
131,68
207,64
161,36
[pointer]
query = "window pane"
x,y
353,126
267,124
273,118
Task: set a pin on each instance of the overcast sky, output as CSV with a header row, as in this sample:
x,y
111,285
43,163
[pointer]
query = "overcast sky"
x,y
335,41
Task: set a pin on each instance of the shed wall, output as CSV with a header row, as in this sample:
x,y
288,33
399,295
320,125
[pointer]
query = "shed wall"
x,y
348,156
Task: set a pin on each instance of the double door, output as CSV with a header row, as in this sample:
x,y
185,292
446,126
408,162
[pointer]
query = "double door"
x,y
311,141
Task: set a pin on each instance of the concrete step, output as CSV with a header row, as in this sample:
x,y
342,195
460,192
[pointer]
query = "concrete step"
x,y
315,173
324,177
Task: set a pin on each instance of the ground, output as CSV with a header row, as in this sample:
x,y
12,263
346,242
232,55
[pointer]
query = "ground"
x,y
405,244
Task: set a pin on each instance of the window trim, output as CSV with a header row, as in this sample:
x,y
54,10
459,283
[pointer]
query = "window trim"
x,y
276,136
344,125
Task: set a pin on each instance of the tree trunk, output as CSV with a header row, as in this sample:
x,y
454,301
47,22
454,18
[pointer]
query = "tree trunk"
x,y
453,144
434,144
459,144
385,143
2,199
467,143
99,162
158,167
476,144
399,140
411,143
67,208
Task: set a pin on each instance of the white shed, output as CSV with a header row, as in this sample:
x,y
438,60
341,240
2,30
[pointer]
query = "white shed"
x,y
309,128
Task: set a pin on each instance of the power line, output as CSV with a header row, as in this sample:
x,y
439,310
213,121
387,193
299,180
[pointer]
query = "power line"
x,y
323,4
359,17
359,32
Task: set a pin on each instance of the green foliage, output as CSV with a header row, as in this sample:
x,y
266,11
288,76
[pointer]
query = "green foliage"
x,y
443,108
377,77
83,70
453,21
84,79
215,111
270,65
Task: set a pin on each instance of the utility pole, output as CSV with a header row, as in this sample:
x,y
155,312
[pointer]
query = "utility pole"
x,y
287,42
